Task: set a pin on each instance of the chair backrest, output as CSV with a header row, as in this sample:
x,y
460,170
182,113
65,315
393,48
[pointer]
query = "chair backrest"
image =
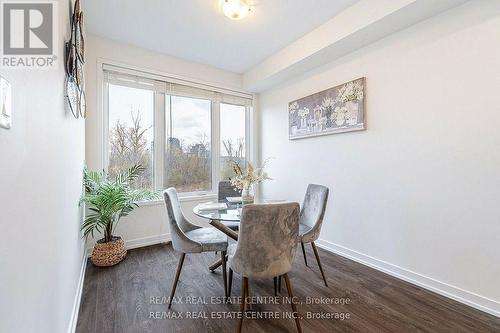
x,y
178,224
314,207
227,190
267,240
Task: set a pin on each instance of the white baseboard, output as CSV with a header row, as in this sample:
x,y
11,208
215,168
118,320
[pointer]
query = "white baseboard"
x,y
463,296
140,242
78,296
146,241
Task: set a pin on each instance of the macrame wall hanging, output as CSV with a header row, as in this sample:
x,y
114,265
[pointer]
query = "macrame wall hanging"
x,y
74,61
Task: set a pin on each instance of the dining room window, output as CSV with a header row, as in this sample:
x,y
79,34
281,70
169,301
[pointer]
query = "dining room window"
x,y
185,134
188,153
232,138
130,132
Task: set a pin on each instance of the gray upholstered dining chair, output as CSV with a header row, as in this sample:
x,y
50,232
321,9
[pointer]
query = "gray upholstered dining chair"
x,y
190,238
227,190
266,247
311,219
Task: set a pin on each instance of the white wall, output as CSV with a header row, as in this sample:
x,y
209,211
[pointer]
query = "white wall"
x,y
41,164
146,224
419,190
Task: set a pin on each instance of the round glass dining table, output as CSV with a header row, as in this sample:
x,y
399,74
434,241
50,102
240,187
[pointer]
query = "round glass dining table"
x,y
216,216
231,213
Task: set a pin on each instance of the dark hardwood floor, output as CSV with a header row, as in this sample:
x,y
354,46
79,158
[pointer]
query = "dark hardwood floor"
x,y
133,297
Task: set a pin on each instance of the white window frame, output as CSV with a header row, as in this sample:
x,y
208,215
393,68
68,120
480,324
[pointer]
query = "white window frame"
x,y
159,129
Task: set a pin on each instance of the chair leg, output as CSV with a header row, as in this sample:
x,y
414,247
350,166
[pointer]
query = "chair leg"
x,y
304,252
294,307
223,258
177,274
279,284
249,305
230,284
319,262
275,286
244,288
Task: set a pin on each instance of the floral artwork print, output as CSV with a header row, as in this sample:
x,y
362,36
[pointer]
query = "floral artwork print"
x,y
335,110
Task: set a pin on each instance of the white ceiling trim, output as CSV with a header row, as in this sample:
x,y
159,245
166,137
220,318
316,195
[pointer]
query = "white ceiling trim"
x,y
264,46
359,25
197,31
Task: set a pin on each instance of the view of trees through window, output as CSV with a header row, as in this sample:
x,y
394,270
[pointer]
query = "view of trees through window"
x,y
188,131
232,138
188,159
131,132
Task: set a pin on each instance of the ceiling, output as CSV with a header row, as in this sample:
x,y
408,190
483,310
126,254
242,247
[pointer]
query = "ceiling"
x,y
197,31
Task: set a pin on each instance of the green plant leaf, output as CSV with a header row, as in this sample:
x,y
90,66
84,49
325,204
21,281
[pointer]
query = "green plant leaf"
x,y
110,199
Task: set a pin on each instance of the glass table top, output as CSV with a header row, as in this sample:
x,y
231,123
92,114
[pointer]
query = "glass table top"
x,y
231,213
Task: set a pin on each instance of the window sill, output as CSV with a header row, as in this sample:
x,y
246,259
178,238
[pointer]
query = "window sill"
x,y
187,198
197,197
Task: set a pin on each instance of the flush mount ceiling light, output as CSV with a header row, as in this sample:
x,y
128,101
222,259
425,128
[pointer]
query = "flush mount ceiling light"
x,y
235,9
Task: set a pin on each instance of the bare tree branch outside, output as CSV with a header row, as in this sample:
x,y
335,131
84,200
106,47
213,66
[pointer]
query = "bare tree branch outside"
x,y
187,166
128,147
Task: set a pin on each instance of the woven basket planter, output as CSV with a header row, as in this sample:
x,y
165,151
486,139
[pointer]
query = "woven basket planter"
x,y
110,253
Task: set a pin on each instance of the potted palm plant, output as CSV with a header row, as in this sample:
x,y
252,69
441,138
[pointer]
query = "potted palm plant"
x,y
108,200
